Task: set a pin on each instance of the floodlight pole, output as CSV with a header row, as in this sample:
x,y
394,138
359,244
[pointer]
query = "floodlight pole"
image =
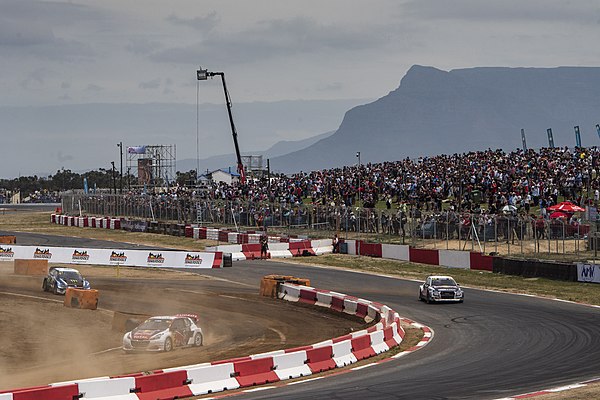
x,y
202,75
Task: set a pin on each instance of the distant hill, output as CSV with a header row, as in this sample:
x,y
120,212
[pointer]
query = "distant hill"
x,y
224,161
439,112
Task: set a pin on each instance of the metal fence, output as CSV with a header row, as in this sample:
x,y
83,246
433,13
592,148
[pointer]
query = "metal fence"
x,y
511,233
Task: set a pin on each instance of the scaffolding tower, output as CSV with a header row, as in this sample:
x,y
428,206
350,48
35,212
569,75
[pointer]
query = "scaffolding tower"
x,y
153,166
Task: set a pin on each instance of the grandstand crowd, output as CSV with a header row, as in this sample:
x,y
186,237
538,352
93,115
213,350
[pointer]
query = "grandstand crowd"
x,y
523,179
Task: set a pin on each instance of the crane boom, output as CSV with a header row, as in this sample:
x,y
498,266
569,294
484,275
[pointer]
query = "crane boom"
x,y
202,74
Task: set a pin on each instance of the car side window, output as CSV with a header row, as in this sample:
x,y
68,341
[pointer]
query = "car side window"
x,y
178,325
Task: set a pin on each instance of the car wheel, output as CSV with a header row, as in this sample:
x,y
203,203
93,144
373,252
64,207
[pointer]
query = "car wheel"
x,y
428,299
198,339
55,289
420,296
45,285
168,344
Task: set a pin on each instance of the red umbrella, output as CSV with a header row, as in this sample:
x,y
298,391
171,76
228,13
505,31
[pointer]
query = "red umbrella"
x,y
566,206
559,214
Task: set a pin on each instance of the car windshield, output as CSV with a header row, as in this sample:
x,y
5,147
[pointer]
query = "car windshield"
x,y
156,324
443,282
69,275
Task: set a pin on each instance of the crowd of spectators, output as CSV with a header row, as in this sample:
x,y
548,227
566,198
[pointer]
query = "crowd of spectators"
x,y
523,179
482,184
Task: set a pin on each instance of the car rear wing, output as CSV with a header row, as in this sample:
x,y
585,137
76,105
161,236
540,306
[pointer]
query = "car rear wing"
x,y
193,317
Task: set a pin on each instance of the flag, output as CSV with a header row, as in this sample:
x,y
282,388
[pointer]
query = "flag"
x,y
136,149
85,186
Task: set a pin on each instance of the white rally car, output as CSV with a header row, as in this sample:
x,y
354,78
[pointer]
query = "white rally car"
x,y
441,288
164,333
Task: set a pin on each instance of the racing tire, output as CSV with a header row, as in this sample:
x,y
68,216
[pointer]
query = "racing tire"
x,y
55,289
168,345
428,299
45,285
198,340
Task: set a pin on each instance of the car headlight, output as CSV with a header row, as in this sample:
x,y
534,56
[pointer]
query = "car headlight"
x,y
157,336
61,284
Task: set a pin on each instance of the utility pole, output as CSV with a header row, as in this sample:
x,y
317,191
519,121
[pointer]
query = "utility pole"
x,y
113,177
120,146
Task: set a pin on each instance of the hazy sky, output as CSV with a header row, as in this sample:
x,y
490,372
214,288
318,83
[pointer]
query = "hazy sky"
x,y
54,52
125,51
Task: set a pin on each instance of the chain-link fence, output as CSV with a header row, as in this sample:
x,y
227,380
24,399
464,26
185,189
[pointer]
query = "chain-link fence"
x,y
505,233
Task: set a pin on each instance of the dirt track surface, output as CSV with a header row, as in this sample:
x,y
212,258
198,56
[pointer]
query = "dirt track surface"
x,y
44,342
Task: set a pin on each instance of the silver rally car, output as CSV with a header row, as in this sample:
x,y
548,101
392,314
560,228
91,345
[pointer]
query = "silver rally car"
x,y
164,333
441,288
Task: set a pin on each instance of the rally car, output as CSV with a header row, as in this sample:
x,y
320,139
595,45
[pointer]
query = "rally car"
x,y
59,279
441,288
164,333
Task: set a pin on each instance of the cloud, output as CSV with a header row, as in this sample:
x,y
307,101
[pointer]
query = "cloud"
x,y
142,46
29,29
275,38
203,24
93,88
153,84
586,11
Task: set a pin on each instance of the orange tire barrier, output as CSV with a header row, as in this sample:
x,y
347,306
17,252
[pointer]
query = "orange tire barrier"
x,y
5,239
268,284
124,322
31,267
79,298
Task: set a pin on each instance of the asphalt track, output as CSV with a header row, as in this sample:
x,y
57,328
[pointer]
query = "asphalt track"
x,y
493,345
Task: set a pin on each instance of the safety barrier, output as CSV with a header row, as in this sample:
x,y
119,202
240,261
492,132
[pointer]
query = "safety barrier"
x,y
444,258
113,257
80,298
30,267
7,239
196,380
243,245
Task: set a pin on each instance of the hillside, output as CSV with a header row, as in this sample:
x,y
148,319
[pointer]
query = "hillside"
x,y
434,112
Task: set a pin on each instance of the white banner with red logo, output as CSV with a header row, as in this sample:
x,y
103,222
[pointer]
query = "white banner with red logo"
x,y
133,258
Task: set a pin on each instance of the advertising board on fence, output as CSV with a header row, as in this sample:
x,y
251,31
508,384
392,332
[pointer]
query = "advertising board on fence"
x,y
588,273
137,258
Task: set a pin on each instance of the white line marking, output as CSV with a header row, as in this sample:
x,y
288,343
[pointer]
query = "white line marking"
x,y
259,389
105,351
362,367
282,338
306,380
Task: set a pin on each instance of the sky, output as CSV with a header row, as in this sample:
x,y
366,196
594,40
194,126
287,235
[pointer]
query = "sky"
x,y
68,53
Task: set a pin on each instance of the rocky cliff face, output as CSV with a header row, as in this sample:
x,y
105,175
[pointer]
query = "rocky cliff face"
x,y
434,112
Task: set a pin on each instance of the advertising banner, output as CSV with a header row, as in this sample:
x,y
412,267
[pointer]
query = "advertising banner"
x,y
588,273
131,258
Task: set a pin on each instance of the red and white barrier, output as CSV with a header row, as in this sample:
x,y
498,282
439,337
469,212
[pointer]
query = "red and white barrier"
x,y
444,258
201,379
